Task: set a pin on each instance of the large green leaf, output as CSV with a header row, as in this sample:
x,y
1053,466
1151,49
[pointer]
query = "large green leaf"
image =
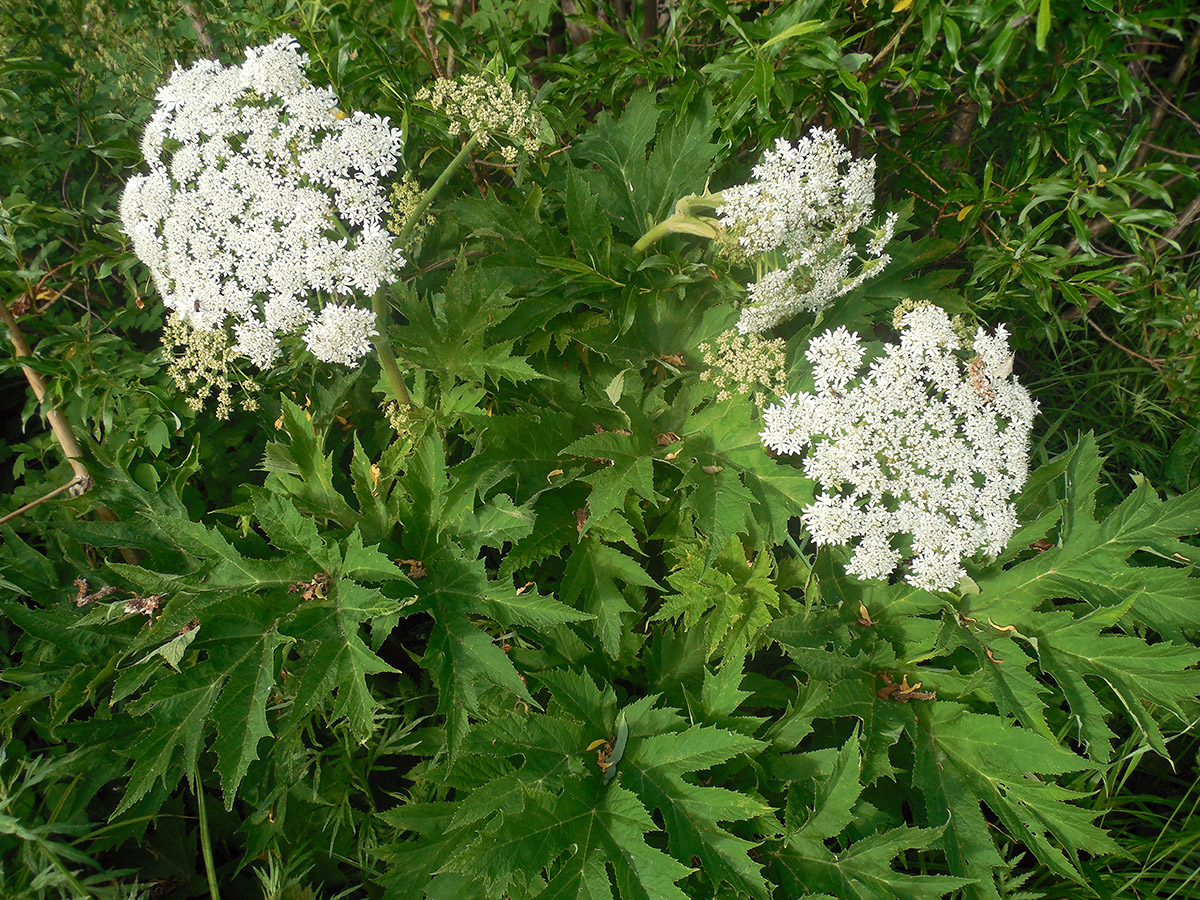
x,y
618,148
608,585
302,469
450,332
654,768
534,813
1092,564
226,692
731,602
340,662
966,759
625,468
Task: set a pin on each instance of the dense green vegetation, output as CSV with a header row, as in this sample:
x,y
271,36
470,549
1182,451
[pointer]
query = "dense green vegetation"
x,y
337,645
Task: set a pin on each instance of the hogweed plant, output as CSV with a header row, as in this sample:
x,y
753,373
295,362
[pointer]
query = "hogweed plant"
x,y
263,214
741,363
487,110
719,571
794,224
263,197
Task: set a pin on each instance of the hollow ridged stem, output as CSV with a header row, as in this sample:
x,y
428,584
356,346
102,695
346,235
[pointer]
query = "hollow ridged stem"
x,y
427,198
387,359
210,868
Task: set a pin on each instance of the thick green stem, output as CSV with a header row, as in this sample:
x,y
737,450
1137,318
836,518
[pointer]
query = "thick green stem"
x,y
210,868
700,201
427,198
387,359
677,224
383,319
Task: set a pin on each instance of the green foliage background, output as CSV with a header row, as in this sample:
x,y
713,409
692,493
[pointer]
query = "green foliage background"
x,y
378,662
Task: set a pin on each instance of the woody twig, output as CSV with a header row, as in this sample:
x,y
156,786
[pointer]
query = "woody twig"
x,y
61,429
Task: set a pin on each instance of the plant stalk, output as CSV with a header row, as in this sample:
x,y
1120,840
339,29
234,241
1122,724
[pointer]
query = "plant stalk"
x,y
387,359
427,198
58,422
76,484
61,430
210,868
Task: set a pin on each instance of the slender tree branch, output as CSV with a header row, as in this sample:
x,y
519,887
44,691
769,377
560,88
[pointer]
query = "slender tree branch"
x,y
451,59
1157,364
1185,219
59,426
1173,152
58,422
76,486
650,22
192,11
1160,110
442,263
428,26
891,44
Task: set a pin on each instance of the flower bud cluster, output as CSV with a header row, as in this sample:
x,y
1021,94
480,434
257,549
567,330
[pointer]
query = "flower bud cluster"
x,y
739,364
260,193
918,457
202,364
487,108
797,217
406,199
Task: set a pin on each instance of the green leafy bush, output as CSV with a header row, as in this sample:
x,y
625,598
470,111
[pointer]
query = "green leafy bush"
x,y
521,606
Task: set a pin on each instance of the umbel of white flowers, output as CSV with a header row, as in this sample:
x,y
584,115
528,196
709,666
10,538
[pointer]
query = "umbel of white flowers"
x,y
261,193
916,458
798,215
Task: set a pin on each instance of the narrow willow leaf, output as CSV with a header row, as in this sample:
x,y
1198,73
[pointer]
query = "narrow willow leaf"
x,y
1043,23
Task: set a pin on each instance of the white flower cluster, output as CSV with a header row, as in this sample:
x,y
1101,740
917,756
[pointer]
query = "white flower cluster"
x,y
799,213
919,456
260,193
